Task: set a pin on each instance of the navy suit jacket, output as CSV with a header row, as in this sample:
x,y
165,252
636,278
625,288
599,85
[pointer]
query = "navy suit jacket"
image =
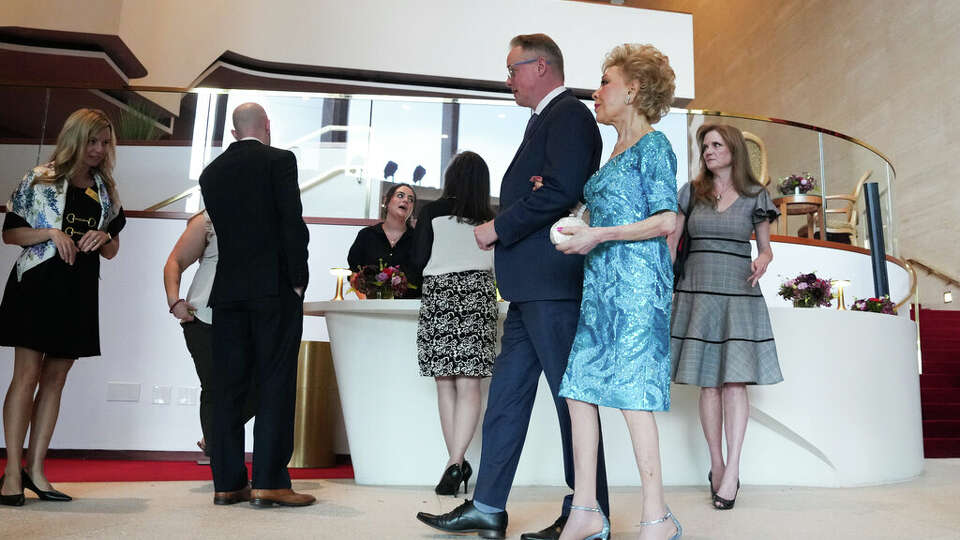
x,y
564,148
253,199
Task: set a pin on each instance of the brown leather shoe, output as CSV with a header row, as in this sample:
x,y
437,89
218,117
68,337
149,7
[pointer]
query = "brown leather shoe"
x,y
265,498
232,497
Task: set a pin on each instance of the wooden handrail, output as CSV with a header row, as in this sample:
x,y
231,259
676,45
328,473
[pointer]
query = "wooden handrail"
x,y
939,274
914,283
304,186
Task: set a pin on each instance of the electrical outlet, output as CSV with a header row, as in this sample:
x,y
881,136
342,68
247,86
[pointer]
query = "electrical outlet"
x,y
187,395
123,391
162,395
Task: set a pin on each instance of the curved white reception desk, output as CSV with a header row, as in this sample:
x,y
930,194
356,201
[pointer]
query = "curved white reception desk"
x,y
847,413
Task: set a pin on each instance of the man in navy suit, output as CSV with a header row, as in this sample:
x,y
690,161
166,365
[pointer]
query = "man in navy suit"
x,y
561,145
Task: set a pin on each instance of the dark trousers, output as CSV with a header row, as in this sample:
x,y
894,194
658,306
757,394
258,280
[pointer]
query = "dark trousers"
x,y
537,337
258,340
199,338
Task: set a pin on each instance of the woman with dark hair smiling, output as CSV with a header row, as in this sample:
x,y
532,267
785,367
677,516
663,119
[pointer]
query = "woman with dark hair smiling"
x,y
457,334
389,242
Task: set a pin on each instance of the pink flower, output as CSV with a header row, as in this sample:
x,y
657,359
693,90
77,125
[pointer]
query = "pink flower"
x,y
802,286
395,280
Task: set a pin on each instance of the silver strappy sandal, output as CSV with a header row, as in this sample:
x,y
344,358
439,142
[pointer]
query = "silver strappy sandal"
x,y
604,533
669,516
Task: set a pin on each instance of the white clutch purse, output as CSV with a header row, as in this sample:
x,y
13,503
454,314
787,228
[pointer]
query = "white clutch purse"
x,y
573,220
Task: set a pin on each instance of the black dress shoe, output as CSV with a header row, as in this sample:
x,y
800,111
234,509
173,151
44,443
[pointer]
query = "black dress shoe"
x,y
52,495
550,533
467,519
11,500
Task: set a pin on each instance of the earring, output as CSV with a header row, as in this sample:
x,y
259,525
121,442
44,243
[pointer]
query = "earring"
x,y
628,100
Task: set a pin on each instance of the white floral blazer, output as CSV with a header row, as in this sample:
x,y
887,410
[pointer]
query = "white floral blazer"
x,y
42,204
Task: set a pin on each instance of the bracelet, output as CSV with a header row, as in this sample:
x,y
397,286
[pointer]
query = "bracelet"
x,y
175,304
109,238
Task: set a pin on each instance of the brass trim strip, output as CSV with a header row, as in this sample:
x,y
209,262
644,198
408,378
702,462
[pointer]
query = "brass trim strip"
x,y
939,274
710,112
304,186
913,288
170,200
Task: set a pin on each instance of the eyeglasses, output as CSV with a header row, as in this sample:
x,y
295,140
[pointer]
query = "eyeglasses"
x,y
512,68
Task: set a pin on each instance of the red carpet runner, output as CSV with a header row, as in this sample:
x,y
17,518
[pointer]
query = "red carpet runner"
x,y
97,470
940,382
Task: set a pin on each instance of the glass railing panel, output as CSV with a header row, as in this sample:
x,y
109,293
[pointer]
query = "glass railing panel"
x,y
845,163
493,130
344,143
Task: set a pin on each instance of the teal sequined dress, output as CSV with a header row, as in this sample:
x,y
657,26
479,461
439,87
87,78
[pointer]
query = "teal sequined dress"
x,y
621,353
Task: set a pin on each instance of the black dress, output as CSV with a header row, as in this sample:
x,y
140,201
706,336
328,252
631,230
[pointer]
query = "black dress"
x,y
371,247
54,309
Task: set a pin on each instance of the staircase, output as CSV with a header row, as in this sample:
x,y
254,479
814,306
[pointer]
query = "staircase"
x,y
940,382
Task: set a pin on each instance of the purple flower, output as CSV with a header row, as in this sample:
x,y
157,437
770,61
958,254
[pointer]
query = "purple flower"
x,y
382,276
802,286
395,280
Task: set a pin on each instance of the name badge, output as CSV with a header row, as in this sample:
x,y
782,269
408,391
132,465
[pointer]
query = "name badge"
x,y
92,194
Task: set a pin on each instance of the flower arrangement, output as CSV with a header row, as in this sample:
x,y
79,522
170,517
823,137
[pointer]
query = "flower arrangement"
x,y
380,282
876,305
797,182
807,290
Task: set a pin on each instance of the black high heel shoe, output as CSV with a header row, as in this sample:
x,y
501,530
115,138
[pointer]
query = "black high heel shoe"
x,y
52,495
450,482
11,500
720,503
467,471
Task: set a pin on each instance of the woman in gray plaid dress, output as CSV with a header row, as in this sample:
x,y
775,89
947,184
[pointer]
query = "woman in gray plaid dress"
x,y
721,338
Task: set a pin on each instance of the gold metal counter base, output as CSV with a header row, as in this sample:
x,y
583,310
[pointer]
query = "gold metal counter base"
x,y
316,408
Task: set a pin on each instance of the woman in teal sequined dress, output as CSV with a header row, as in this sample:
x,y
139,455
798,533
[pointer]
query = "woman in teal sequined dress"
x,y
621,353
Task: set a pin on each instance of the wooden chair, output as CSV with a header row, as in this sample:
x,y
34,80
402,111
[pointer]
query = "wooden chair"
x,y
844,225
758,157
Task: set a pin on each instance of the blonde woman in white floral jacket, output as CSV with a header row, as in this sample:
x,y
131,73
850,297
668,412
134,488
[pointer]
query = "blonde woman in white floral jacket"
x,y
66,215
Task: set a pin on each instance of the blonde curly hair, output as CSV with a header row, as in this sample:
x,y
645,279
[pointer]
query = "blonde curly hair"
x,y
649,67
72,143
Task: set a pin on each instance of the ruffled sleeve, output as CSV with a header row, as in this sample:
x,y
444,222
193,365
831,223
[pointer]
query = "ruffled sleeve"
x,y
764,209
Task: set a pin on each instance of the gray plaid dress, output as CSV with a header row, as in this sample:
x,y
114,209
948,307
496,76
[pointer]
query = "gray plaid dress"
x,y
720,327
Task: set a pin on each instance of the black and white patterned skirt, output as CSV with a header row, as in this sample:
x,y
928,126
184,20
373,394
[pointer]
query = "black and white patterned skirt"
x,y
457,334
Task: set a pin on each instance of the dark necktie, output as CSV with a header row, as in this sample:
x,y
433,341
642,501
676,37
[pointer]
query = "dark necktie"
x,y
530,123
